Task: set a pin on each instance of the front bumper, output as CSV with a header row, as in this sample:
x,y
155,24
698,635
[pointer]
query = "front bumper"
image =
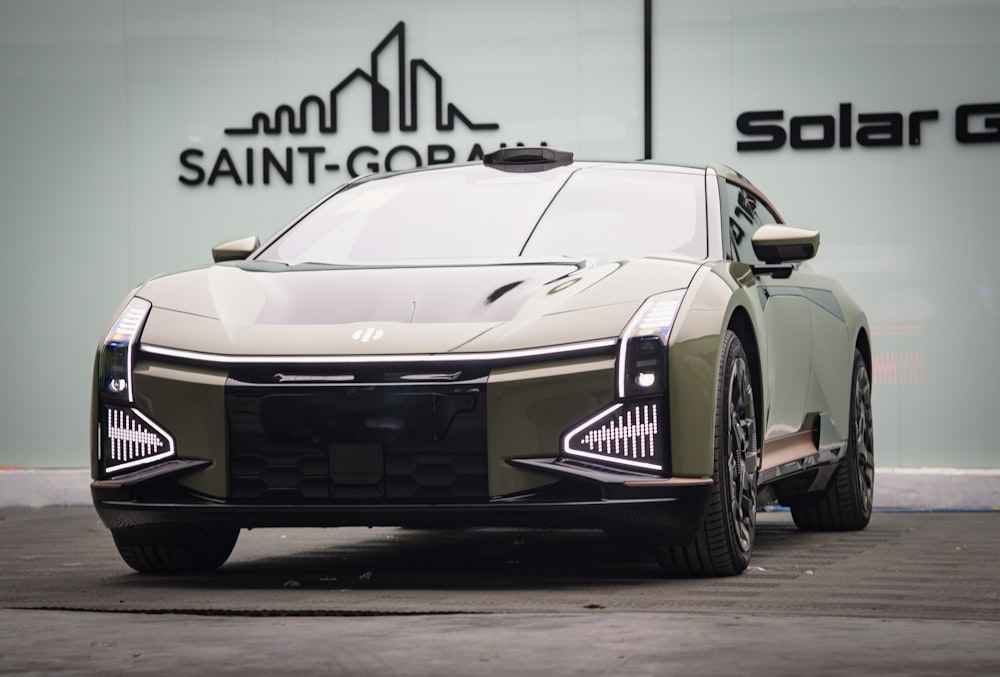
x,y
582,497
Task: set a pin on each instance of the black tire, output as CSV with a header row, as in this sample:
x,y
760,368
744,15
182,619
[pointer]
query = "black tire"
x,y
846,503
179,550
724,542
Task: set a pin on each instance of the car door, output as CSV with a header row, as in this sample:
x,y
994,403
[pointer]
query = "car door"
x,y
788,325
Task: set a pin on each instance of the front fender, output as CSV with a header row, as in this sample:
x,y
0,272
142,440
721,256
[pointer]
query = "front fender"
x,y
716,294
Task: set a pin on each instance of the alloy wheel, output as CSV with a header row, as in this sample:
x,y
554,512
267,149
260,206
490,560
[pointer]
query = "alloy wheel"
x,y
742,456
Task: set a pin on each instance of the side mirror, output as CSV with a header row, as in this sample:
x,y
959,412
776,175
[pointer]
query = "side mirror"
x,y
235,250
784,244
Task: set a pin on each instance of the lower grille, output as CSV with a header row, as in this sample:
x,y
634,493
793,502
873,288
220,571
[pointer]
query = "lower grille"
x,y
357,443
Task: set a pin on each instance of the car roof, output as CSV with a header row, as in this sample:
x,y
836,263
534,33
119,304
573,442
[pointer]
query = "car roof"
x,y
574,165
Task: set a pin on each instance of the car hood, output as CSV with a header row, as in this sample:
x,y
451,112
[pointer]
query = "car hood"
x,y
268,309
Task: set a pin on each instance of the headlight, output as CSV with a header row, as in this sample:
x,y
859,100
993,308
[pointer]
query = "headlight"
x,y
115,371
642,359
127,437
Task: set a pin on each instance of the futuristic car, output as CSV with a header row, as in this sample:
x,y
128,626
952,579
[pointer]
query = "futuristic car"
x,y
526,341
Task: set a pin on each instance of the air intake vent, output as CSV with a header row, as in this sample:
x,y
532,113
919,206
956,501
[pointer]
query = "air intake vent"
x,y
295,443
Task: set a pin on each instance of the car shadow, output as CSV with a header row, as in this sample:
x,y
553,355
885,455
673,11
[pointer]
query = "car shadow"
x,y
453,559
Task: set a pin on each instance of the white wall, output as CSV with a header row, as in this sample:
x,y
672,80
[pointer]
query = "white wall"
x,y
912,230
99,98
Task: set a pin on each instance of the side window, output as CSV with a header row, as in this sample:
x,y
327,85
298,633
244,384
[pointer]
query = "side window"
x,y
743,221
765,215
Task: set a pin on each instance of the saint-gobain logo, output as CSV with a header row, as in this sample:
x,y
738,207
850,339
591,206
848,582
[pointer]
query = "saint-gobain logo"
x,y
254,165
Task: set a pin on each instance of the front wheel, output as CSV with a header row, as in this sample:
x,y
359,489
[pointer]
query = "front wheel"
x,y
724,542
175,550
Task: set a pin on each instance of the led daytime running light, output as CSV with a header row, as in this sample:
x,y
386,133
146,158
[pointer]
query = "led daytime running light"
x,y
116,354
628,435
128,322
132,439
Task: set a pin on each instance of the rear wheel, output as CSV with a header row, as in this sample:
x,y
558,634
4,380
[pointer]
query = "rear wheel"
x,y
846,503
177,550
724,542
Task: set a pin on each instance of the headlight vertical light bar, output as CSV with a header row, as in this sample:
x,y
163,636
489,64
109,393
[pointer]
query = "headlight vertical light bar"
x,y
128,438
641,358
115,372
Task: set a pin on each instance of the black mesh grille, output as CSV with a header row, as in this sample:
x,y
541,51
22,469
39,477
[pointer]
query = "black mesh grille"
x,y
389,442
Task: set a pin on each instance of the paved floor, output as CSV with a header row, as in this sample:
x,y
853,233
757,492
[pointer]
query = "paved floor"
x,y
915,593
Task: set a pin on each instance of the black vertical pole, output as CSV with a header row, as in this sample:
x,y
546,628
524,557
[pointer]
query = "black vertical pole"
x,y
647,78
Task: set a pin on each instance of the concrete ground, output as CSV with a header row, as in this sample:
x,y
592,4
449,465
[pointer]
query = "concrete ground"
x,y
914,594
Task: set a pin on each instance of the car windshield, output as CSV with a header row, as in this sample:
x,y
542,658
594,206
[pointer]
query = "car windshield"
x,y
479,212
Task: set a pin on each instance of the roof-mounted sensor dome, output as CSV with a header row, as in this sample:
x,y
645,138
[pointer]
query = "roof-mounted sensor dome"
x,y
528,158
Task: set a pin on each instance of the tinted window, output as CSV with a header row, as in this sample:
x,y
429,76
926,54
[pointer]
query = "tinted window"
x,y
447,213
765,215
623,213
743,222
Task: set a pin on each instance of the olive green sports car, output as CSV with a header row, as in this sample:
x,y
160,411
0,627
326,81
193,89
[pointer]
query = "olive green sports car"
x,y
525,341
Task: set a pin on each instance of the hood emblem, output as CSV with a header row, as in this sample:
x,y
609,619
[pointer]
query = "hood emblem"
x,y
369,334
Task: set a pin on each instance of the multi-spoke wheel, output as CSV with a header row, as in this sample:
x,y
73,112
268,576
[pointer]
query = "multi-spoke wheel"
x,y
724,542
846,503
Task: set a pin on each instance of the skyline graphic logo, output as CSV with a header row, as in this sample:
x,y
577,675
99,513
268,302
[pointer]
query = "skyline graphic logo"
x,y
252,165
325,113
